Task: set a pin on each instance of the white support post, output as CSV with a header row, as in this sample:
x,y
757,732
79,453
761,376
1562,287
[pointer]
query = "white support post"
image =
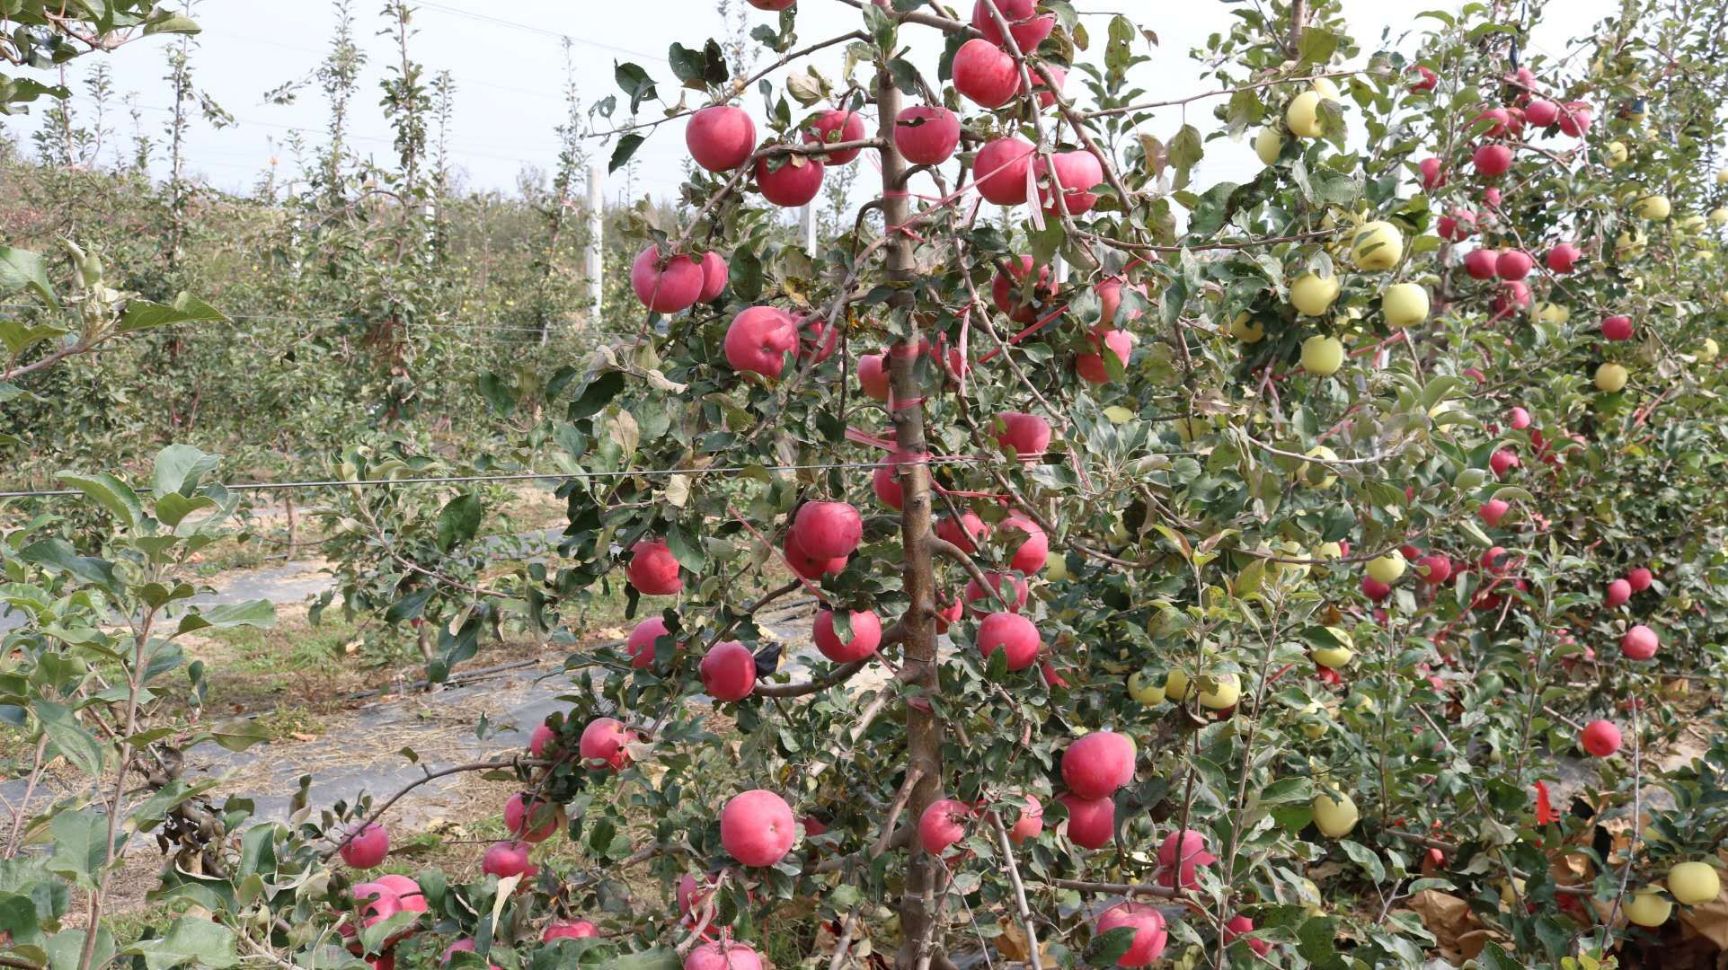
x,y
807,228
596,243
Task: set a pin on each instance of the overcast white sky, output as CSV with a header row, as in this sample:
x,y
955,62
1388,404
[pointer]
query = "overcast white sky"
x,y
507,60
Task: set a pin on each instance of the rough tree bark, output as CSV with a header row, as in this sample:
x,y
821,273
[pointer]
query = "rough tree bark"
x,y
923,730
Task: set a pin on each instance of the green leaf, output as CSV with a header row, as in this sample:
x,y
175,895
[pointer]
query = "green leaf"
x,y
109,492
59,554
66,949
254,613
408,607
239,734
635,82
627,146
179,468
80,846
1287,790
170,22
686,549
658,959
191,941
145,315
21,269
1318,45
69,737
1364,857
459,520
173,508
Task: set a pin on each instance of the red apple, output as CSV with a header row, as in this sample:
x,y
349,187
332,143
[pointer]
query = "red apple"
x,y
948,612
1434,569
1502,461
720,138
885,482
1510,297
1619,591
1492,161
1542,112
1012,634
604,744
569,930
666,284
653,570
1030,824
715,275
1001,170
942,825
1150,937
1562,258
1493,511
927,135
1499,122
1496,560
1032,552
1617,328
988,599
789,181
1481,263
1600,738
1640,579
834,127
873,375
726,954
1239,926
1091,821
1375,589
828,530
1639,643
1046,96
1077,173
1109,292
1433,173
866,636
1096,765
809,566
532,819
728,671
985,73
1028,435
757,827
1459,225
1192,847
1091,366
1008,290
541,741
508,858
1513,264
1426,79
772,4
965,532
1575,118
759,339
1028,29
367,847
640,644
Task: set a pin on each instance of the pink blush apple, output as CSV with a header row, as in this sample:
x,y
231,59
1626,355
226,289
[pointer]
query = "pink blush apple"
x,y
927,135
757,827
728,671
720,138
759,339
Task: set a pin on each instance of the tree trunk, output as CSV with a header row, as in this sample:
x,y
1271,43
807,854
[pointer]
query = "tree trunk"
x,y
923,730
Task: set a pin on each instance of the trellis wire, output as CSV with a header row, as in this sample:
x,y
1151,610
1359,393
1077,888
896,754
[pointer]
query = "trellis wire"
x,y
513,477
